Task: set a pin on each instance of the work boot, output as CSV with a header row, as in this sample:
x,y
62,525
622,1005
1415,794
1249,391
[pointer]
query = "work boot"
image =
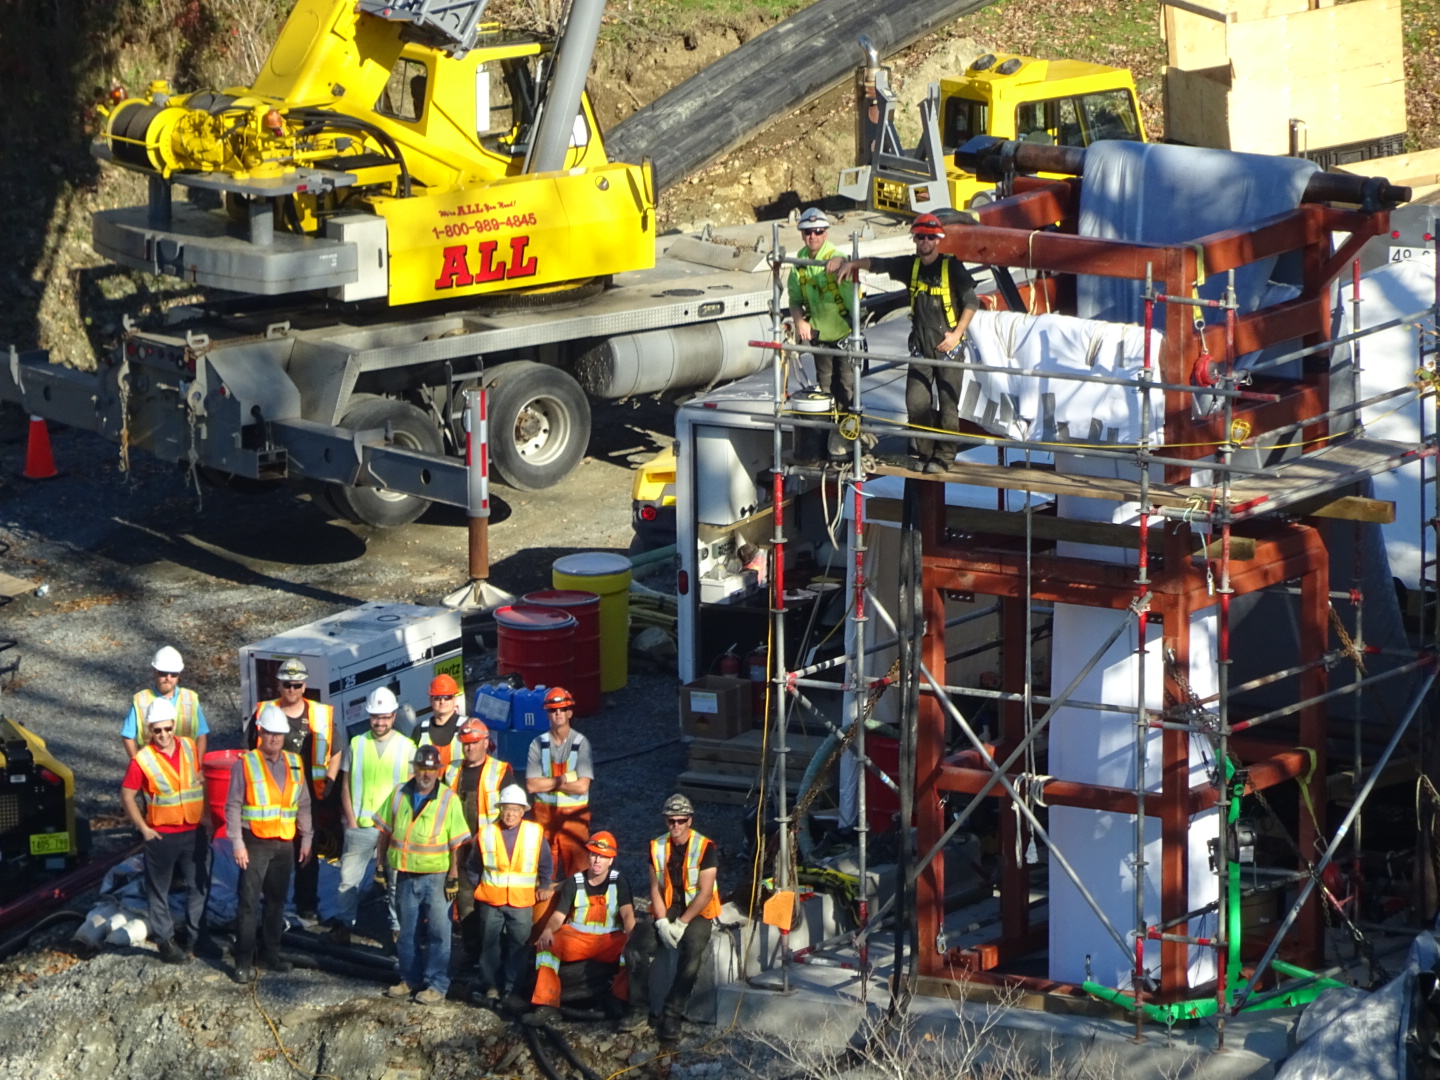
x,y
634,1020
308,914
243,974
399,990
669,1030
340,934
540,1016
429,997
933,466
277,964
170,953
207,947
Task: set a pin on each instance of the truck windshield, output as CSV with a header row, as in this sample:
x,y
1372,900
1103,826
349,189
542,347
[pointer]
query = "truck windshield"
x,y
963,120
505,101
404,95
1110,114
1078,121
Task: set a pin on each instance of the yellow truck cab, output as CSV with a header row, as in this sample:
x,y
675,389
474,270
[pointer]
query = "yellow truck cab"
x,y
1056,102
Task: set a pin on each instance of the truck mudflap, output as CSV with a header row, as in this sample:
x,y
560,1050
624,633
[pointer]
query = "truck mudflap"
x,y
364,459
88,400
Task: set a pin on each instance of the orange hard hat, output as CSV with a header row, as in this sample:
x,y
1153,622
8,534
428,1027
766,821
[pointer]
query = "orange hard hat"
x,y
603,843
473,730
443,686
559,698
927,225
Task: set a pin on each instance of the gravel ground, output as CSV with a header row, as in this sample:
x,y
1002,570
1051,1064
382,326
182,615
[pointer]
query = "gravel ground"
x,y
134,563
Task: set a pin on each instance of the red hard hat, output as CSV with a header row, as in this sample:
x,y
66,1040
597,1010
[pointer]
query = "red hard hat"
x,y
927,225
473,731
559,698
443,686
603,843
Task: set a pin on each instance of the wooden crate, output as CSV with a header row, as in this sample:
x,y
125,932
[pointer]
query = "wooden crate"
x,y
1419,171
726,770
1338,69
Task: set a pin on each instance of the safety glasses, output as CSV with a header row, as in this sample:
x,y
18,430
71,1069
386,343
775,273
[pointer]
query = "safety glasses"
x,y
162,730
677,821
292,685
813,232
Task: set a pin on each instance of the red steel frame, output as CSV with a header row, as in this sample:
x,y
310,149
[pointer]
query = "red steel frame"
x,y
1009,234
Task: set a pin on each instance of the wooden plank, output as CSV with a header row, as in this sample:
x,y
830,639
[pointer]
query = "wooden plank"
x,y
1199,10
12,586
1348,508
1197,106
1041,480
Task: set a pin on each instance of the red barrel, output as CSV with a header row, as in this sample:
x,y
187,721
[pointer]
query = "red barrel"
x,y
217,767
585,607
882,806
536,643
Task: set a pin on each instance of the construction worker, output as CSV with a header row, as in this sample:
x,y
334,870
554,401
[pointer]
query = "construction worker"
x,y
167,771
942,303
268,806
558,773
593,918
189,717
312,737
439,728
478,779
683,901
516,874
374,764
422,829
823,313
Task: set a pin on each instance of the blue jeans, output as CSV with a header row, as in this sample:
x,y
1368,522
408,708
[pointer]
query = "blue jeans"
x,y
355,859
504,933
423,961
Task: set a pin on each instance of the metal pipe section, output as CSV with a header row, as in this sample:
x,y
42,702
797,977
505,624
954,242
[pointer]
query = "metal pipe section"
x,y
1414,707
573,51
477,465
1287,710
983,156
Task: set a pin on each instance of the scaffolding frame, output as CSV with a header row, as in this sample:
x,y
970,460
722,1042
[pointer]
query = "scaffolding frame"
x,y
1020,231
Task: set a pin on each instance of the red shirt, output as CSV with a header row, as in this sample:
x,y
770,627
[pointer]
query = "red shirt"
x,y
135,781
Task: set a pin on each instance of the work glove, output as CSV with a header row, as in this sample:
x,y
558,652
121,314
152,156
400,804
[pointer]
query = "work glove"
x,y
662,931
671,931
452,889
382,874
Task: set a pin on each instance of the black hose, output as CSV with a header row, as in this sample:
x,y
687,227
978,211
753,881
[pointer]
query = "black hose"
x,y
344,953
342,122
20,940
563,1045
337,967
538,1053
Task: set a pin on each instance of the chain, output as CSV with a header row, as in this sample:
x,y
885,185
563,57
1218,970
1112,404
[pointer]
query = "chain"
x,y
122,389
1189,710
193,454
1346,641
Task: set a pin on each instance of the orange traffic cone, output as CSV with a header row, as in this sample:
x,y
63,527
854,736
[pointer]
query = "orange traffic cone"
x,y
39,462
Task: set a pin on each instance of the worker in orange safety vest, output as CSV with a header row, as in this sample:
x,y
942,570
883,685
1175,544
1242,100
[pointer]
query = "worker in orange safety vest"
x,y
593,919
176,829
558,772
478,779
268,804
516,872
683,903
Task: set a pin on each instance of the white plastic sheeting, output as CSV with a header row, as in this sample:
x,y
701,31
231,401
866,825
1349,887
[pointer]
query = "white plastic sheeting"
x,y
1388,360
1099,748
1021,406
1161,194
1351,1035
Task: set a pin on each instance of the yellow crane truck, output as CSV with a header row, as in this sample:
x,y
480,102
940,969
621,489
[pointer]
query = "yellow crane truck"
x,y
408,201
1055,102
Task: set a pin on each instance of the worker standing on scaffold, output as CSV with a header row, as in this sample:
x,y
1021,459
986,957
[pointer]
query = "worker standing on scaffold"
x,y
942,303
823,312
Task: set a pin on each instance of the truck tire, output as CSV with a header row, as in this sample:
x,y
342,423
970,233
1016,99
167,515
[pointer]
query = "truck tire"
x,y
539,421
413,431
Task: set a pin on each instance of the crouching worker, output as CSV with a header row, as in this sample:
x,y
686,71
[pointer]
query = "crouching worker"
x,y
684,903
593,919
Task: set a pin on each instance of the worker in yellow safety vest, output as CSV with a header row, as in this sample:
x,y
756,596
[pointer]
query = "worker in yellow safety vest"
x,y
558,772
176,829
516,872
683,901
374,764
942,303
312,737
189,717
422,829
268,806
478,779
593,918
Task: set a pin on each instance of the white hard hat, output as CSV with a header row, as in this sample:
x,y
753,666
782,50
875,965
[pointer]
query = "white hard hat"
x,y
273,720
514,795
381,700
167,659
814,218
160,711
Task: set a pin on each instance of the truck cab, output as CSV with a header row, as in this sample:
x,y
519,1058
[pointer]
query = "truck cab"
x,y
1054,102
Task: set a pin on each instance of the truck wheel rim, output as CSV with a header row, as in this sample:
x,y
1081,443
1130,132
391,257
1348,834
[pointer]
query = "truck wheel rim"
x,y
405,441
542,430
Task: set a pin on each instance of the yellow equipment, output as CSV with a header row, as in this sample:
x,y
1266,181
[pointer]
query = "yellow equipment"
x,y
404,150
652,501
1054,102
37,803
